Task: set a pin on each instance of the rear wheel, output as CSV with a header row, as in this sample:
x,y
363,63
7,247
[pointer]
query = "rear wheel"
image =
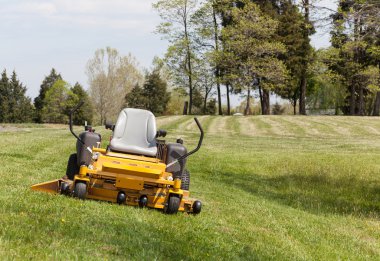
x,y
172,205
185,180
72,166
80,190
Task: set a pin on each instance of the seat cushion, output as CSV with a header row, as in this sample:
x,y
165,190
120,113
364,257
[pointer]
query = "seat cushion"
x,y
135,133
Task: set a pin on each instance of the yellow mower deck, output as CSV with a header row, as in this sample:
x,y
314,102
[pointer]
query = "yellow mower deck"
x,y
112,173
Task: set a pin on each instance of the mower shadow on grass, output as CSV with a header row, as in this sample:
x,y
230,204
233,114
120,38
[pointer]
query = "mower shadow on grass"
x,y
317,194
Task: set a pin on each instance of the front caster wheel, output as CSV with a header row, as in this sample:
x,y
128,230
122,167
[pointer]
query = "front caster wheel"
x,y
80,190
197,207
65,188
172,205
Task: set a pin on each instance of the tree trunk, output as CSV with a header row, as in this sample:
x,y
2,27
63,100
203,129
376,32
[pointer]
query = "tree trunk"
x,y
189,67
352,100
306,33
248,106
185,105
295,105
217,70
261,98
228,100
302,108
266,102
219,97
376,108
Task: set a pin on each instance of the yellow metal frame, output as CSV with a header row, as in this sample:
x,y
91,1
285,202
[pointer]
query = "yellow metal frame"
x,y
110,173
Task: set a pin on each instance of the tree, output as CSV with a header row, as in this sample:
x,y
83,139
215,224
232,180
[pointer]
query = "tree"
x,y
111,77
355,33
177,28
59,99
307,30
135,98
15,106
211,107
155,92
47,83
86,112
21,109
176,102
251,54
327,90
4,95
208,39
153,97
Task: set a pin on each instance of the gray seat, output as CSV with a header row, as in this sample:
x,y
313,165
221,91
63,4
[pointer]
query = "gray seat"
x,y
135,133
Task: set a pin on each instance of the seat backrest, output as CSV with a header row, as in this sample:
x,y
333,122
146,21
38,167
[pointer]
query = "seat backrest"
x,y
135,132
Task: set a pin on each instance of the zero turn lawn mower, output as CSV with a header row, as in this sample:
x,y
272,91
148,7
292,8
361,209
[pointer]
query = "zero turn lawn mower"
x,y
136,169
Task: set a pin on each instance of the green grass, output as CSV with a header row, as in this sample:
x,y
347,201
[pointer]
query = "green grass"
x,y
282,188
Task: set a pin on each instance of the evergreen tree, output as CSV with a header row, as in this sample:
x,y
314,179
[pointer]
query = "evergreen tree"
x,y
21,109
15,106
298,52
155,93
86,112
153,96
135,98
4,96
356,25
39,101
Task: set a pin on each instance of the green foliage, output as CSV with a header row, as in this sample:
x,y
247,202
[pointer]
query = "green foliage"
x,y
15,106
298,50
153,97
86,112
135,98
59,99
327,90
177,28
39,101
176,102
155,91
252,53
4,94
197,101
355,37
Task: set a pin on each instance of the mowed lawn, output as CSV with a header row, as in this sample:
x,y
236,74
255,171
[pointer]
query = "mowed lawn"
x,y
273,188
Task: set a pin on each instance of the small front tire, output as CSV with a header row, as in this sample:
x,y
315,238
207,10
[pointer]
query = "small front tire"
x,y
80,190
172,205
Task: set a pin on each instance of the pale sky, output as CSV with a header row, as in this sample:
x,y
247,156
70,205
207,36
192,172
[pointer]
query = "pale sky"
x,y
37,35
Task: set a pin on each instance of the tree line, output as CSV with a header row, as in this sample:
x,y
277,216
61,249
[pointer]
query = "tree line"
x,y
53,104
111,77
251,48
261,48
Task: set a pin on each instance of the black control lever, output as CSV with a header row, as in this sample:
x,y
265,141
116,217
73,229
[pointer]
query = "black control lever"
x,y
194,150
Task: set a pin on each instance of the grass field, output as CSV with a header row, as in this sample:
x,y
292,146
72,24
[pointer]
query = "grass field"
x,y
273,188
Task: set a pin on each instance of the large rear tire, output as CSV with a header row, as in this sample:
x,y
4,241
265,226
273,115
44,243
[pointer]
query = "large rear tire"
x,y
80,190
72,166
172,205
185,180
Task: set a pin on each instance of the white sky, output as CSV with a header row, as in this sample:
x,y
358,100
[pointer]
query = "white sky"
x,y
37,35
